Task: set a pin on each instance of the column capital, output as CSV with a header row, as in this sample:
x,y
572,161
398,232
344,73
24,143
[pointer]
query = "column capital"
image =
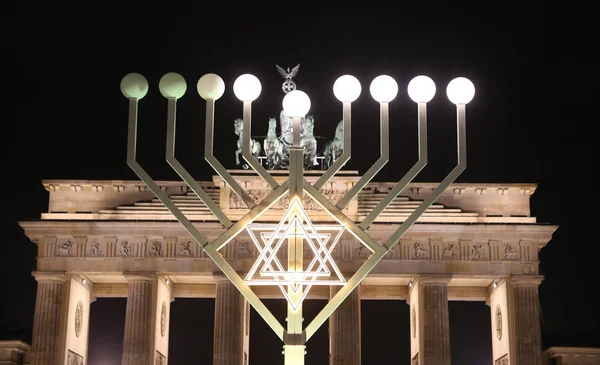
x,y
56,276
219,277
434,279
525,280
139,276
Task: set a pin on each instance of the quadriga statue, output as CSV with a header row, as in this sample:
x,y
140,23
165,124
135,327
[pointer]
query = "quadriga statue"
x,y
309,143
255,148
334,148
273,147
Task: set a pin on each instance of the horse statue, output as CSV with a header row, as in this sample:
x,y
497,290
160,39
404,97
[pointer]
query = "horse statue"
x,y
309,143
273,147
334,148
254,145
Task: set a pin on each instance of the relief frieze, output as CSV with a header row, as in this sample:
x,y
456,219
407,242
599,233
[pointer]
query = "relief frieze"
x,y
422,251
126,247
511,251
480,251
235,202
155,248
65,247
95,247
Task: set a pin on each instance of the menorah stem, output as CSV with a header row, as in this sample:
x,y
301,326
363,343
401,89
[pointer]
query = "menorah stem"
x,y
294,343
182,172
212,160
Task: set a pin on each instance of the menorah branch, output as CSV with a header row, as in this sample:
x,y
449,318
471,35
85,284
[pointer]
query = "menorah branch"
x,y
212,160
153,186
341,161
410,175
249,217
343,219
461,136
182,172
384,137
247,140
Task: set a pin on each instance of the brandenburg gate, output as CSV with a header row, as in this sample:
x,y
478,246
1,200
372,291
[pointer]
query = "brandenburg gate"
x,y
292,233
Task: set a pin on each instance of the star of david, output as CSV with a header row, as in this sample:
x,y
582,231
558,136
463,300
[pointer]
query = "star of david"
x,y
270,238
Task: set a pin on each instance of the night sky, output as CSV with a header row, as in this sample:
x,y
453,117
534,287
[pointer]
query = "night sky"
x,y
63,117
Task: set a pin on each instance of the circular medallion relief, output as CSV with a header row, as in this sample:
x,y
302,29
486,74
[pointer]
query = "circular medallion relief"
x,y
414,321
78,318
163,319
498,322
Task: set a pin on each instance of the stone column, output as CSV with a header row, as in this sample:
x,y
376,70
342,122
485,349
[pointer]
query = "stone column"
x,y
139,326
526,315
430,328
345,330
46,321
230,325
516,331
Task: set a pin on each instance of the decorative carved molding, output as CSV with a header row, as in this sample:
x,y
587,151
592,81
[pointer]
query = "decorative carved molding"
x,y
415,359
74,358
511,251
498,322
503,360
160,359
155,248
78,318
127,248
184,248
65,247
163,319
422,251
450,251
243,249
283,203
480,251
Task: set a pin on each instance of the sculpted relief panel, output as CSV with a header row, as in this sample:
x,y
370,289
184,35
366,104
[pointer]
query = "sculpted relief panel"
x,y
95,247
283,203
74,358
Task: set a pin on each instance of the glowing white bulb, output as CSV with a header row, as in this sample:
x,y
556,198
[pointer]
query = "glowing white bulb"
x,y
460,90
421,89
134,86
247,87
346,88
384,88
296,103
172,85
211,87
83,281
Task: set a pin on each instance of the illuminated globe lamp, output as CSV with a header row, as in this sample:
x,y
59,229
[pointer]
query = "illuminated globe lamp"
x,y
211,87
296,104
172,85
460,90
247,87
384,88
347,88
421,89
134,86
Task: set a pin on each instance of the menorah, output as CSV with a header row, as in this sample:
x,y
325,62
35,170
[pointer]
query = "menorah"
x,y
295,228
